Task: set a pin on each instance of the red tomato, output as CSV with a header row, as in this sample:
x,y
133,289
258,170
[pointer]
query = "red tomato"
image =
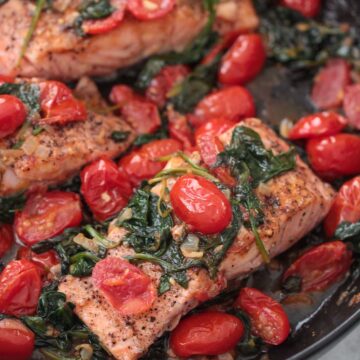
x,y
346,206
142,164
243,61
44,261
233,103
164,82
150,9
200,204
142,115
47,215
16,340
321,266
335,156
6,79
352,105
6,239
319,124
20,287
59,105
329,87
12,114
308,8
101,26
206,333
124,285
179,129
106,190
122,94
268,318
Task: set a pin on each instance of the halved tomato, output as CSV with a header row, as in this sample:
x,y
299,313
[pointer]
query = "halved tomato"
x,y
122,94
179,129
351,105
129,290
308,8
12,114
6,238
150,9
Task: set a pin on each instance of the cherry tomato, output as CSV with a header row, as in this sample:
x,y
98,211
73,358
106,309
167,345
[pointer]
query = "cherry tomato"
x,y
150,9
59,105
47,215
179,129
200,204
164,82
243,61
122,94
329,87
20,287
308,8
6,239
268,318
319,124
106,190
142,115
12,114
6,79
128,289
321,266
101,26
335,156
44,261
351,105
233,103
346,206
142,164
16,340
206,333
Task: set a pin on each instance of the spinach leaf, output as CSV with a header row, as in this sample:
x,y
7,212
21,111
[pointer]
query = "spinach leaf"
x,y
9,205
349,232
119,136
158,350
82,264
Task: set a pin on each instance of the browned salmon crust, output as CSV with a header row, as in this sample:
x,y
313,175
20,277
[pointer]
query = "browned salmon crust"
x,y
57,52
294,203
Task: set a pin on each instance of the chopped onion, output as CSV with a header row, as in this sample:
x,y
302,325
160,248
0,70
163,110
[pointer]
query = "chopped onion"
x,y
126,214
85,350
190,247
285,126
86,243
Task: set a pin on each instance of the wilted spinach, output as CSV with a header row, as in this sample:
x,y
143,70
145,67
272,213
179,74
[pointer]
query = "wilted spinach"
x,y
120,136
349,232
9,205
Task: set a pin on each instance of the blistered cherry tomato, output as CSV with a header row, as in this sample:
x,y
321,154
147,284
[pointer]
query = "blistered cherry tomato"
x,y
200,204
233,103
6,238
308,8
162,84
20,286
243,61
142,115
335,156
106,189
179,129
346,206
319,124
352,104
143,164
16,340
12,114
58,104
122,94
321,266
268,318
330,83
44,261
47,215
150,9
128,289
206,333
104,25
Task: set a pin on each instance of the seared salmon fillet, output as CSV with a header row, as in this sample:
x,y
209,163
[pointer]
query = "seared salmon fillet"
x,y
58,52
293,204
60,151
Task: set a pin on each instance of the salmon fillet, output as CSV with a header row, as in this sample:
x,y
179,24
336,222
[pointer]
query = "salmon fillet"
x,y
57,52
293,204
59,152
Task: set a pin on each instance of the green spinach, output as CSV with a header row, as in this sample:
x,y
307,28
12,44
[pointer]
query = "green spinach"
x,y
9,205
349,232
119,136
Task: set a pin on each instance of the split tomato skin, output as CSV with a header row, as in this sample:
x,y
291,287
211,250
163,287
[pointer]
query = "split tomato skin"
x,y
6,238
206,333
320,124
335,156
20,287
200,204
17,342
243,61
346,206
150,9
268,318
321,266
308,8
351,105
12,114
